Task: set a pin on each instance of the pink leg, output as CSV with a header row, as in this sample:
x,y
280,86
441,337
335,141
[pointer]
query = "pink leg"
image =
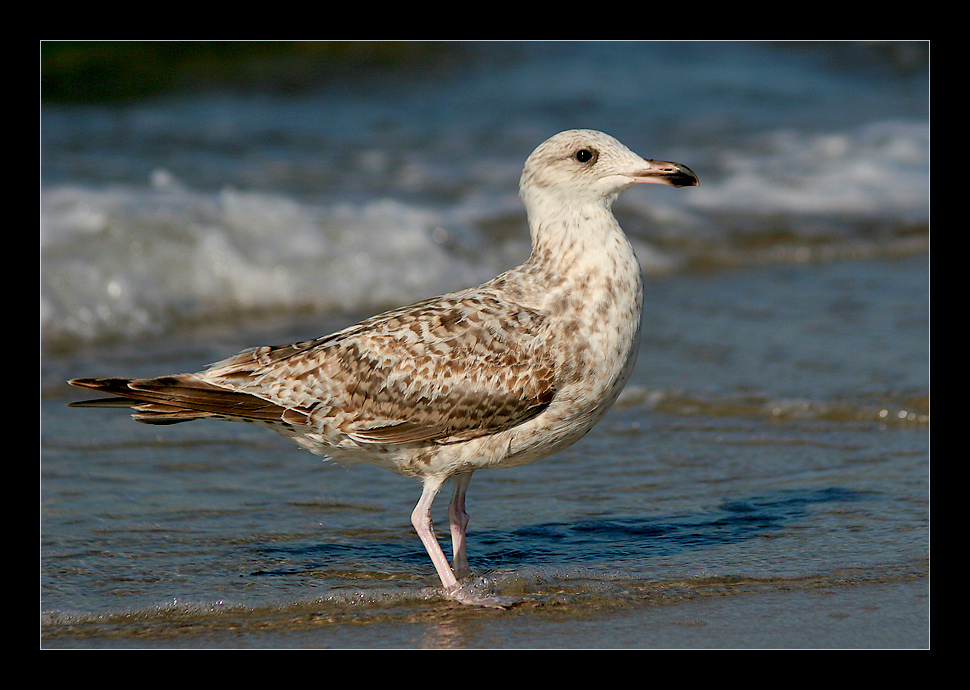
x,y
458,519
421,519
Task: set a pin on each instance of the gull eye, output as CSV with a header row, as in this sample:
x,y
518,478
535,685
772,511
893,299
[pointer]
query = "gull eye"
x,y
585,156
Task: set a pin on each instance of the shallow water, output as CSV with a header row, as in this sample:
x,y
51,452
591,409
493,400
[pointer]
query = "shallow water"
x,y
762,482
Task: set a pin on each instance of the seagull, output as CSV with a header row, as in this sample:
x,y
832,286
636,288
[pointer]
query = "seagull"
x,y
494,376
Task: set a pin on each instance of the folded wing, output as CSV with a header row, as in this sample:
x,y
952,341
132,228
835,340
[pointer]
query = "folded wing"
x,y
442,371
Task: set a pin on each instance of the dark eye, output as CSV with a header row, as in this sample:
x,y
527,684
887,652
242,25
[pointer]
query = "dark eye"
x,y
585,155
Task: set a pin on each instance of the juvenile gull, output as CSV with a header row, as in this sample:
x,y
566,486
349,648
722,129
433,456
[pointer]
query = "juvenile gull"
x,y
494,376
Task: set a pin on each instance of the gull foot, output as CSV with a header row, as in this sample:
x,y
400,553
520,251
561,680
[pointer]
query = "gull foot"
x,y
470,596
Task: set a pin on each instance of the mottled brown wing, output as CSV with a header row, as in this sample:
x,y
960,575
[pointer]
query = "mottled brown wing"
x,y
444,370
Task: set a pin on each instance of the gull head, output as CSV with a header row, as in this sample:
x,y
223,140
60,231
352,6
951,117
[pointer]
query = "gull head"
x,y
582,166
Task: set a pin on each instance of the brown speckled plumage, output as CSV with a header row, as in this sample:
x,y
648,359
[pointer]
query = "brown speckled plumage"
x,y
493,376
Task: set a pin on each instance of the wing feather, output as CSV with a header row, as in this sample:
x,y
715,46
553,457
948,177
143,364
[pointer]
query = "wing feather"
x,y
446,369
178,398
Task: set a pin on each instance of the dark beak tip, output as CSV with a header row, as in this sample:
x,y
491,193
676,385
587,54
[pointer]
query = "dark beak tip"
x,y
685,177
683,180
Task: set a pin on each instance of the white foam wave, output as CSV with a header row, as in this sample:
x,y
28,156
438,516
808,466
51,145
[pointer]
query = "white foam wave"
x,y
877,170
124,262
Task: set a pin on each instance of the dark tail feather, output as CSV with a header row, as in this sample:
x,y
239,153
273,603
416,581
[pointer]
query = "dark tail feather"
x,y
178,398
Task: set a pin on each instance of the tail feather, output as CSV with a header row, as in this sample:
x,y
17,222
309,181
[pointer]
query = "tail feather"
x,y
178,398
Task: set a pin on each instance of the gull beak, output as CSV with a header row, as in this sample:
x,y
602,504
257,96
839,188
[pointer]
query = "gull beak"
x,y
665,172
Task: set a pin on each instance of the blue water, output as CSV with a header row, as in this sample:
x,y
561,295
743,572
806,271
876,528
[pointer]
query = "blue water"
x,y
769,457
